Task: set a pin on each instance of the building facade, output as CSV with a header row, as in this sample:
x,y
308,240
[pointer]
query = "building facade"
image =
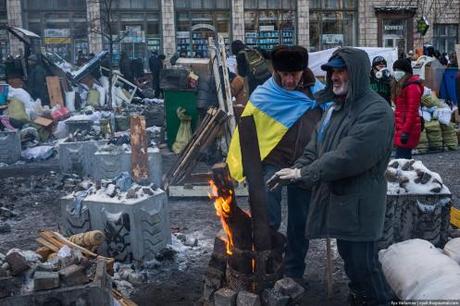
x,y
71,27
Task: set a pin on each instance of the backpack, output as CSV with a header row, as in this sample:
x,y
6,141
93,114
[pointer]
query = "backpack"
x,y
259,70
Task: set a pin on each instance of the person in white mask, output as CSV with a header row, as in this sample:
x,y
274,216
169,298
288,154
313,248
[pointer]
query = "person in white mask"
x,y
407,94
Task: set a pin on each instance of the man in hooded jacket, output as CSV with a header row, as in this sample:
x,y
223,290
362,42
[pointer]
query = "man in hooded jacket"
x,y
344,165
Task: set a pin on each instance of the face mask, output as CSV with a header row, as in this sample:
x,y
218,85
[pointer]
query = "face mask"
x,y
399,75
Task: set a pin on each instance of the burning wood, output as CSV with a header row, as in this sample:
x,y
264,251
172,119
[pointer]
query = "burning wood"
x,y
253,251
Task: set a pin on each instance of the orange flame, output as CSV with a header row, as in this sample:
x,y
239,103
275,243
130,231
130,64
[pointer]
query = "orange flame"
x,y
223,208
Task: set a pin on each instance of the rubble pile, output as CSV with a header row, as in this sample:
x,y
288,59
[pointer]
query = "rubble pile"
x,y
29,271
412,177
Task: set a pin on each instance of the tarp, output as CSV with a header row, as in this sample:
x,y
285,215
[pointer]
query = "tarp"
x,y
316,59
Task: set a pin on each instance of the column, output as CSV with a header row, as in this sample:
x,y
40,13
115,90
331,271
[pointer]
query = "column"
x,y
93,13
13,8
367,24
303,23
237,20
169,27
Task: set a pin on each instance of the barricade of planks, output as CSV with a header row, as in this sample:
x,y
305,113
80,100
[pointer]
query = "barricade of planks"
x,y
210,128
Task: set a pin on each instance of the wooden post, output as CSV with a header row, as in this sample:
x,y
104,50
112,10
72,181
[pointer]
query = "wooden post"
x,y
238,221
329,268
139,150
252,168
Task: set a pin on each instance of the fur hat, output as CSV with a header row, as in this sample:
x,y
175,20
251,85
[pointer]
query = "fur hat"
x,y
404,65
289,58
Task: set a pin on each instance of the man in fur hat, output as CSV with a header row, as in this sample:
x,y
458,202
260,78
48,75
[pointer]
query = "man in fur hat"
x,y
285,110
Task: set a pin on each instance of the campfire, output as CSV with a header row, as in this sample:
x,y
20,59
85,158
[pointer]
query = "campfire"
x,y
248,254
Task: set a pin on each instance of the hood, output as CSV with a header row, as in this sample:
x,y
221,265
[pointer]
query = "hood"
x,y
358,67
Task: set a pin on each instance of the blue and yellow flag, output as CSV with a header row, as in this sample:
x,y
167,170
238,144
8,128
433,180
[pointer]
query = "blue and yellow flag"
x,y
275,110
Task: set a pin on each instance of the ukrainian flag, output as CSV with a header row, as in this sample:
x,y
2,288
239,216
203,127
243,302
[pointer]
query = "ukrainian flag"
x,y
275,110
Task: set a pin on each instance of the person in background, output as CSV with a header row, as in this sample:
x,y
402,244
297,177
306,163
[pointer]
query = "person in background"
x,y
380,78
156,65
407,94
125,67
36,82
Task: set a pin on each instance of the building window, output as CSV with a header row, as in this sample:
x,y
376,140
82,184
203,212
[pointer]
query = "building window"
x,y
332,23
194,27
202,4
54,5
269,23
445,36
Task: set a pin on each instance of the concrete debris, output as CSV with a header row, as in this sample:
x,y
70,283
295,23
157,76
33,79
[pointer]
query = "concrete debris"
x,y
17,261
225,297
46,280
287,286
245,298
412,177
272,297
73,275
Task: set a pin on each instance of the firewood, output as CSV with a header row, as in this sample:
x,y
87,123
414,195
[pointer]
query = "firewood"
x,y
90,240
44,252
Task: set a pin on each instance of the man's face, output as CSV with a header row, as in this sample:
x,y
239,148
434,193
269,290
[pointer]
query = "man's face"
x,y
290,80
339,80
380,66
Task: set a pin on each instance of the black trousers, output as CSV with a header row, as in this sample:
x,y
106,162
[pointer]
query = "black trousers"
x,y
365,272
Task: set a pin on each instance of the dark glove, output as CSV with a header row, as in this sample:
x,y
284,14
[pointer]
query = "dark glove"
x,y
404,138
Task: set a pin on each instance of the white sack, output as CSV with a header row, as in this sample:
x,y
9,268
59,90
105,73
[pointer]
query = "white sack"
x,y
452,249
417,270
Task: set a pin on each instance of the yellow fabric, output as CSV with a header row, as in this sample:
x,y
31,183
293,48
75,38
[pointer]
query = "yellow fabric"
x,y
17,111
269,134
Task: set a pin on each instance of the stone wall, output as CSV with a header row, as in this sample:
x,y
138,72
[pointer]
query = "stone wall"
x,y
238,20
94,25
303,23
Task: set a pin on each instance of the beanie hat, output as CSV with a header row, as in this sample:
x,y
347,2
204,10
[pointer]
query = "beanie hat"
x,y
404,65
289,58
378,60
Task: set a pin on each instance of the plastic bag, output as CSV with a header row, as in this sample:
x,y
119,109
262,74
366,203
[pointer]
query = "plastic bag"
x,y
38,153
17,111
93,97
70,100
444,115
184,133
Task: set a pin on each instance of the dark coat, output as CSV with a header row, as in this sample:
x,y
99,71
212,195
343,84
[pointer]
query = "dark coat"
x,y
345,167
407,118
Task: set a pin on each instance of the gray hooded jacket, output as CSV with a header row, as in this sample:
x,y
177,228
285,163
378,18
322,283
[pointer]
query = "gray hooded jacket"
x,y
345,165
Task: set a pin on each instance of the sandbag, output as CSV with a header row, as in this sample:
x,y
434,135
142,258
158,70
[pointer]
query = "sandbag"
x,y
17,111
449,136
416,270
430,101
452,249
184,133
423,145
434,134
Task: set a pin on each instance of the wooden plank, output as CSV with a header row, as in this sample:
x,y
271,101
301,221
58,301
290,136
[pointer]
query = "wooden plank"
x,y
54,90
197,191
139,150
43,121
252,168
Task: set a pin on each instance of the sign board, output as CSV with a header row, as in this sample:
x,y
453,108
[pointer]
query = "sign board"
x,y
57,40
134,34
392,27
336,39
266,28
57,32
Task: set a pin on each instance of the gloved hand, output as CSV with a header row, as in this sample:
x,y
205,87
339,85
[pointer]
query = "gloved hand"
x,y
404,138
283,177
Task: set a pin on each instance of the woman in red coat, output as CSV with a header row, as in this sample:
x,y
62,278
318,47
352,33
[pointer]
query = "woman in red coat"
x,y
406,96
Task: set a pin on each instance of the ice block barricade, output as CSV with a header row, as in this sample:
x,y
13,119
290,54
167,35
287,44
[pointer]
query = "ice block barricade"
x,y
10,147
135,228
78,157
110,164
417,206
